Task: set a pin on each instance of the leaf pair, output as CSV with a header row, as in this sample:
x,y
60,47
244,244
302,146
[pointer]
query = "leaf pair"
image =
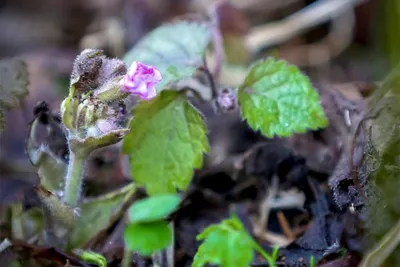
x,y
148,231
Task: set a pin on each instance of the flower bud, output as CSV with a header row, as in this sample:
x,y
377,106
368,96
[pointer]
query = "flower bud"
x,y
99,85
226,100
94,99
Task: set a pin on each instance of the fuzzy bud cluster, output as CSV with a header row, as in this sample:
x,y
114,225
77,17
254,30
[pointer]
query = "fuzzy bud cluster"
x,y
92,112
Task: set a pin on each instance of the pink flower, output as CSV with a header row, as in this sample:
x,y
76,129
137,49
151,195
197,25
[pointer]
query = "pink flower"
x,y
141,80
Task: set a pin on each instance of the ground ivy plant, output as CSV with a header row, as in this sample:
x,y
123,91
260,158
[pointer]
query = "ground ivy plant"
x,y
165,136
223,241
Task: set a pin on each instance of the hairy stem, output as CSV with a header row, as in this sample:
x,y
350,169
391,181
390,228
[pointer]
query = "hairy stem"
x,y
73,180
217,39
127,258
210,79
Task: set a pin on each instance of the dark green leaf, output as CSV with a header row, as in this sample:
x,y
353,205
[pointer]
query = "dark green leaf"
x,y
147,238
278,99
176,49
167,140
153,208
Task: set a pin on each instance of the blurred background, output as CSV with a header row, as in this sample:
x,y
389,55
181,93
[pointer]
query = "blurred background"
x,y
342,44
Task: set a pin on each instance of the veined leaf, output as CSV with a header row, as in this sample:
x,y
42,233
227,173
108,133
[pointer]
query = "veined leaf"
x,y
98,214
153,208
147,238
176,49
278,99
226,244
166,142
13,85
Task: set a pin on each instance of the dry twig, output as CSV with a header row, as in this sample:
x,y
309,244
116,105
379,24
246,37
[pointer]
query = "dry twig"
x,y
278,32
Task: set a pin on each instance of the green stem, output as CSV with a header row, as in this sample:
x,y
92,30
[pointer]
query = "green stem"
x,y
73,180
127,259
271,261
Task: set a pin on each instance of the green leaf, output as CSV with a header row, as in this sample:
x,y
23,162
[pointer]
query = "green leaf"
x,y
98,214
226,244
56,211
153,208
278,99
13,85
147,238
176,49
166,141
312,261
91,257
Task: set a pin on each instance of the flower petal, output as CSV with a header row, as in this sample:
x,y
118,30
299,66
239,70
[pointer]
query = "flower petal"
x,y
142,88
152,92
132,69
157,75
